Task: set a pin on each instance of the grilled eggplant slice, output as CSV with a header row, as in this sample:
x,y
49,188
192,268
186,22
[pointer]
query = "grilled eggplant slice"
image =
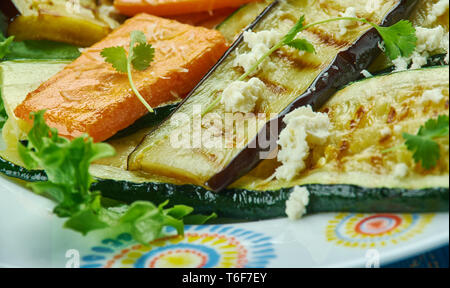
x,y
296,80
352,174
419,18
241,18
80,23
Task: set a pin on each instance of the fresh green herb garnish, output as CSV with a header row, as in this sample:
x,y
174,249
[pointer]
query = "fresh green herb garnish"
x,y
140,56
399,40
67,166
423,145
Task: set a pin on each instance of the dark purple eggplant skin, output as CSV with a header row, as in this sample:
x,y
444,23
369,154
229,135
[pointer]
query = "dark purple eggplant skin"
x,y
345,68
214,68
9,9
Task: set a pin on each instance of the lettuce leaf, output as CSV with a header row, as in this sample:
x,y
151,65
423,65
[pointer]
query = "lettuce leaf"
x,y
67,166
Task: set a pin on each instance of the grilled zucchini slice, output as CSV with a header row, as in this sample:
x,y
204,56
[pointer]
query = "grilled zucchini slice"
x,y
358,178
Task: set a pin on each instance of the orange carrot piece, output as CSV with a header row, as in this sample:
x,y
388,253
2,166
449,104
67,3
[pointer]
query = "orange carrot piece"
x,y
174,7
89,96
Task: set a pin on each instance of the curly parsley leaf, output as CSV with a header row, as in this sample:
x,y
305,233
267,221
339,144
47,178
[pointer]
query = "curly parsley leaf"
x,y
423,146
117,57
399,39
66,164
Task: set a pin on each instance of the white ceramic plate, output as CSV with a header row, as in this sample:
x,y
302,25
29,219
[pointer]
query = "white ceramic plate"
x,y
30,236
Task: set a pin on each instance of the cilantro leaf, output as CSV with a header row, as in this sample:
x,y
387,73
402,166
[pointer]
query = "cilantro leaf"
x,y
138,37
424,150
139,56
143,55
302,45
435,128
117,56
423,146
294,30
399,39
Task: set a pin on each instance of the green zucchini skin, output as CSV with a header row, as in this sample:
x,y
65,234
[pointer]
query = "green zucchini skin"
x,y
261,205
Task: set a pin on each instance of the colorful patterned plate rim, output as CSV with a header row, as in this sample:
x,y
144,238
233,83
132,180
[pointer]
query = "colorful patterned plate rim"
x,y
30,236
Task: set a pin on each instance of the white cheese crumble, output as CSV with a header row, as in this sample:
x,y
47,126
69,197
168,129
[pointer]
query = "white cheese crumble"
x,y
366,73
385,132
344,24
428,40
398,129
297,203
303,127
434,95
437,10
260,43
241,96
401,170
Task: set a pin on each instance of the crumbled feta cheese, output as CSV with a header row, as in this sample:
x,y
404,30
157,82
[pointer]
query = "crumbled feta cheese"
x,y
397,129
260,43
366,73
401,64
344,24
297,203
401,170
428,40
385,132
437,10
303,127
241,96
434,95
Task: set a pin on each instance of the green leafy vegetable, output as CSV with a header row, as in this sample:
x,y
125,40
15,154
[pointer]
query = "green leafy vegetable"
x,y
297,28
143,56
67,166
302,45
5,44
117,57
41,49
140,56
399,39
423,145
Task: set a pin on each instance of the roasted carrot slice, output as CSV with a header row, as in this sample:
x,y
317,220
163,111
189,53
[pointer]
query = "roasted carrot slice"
x,y
89,96
174,7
